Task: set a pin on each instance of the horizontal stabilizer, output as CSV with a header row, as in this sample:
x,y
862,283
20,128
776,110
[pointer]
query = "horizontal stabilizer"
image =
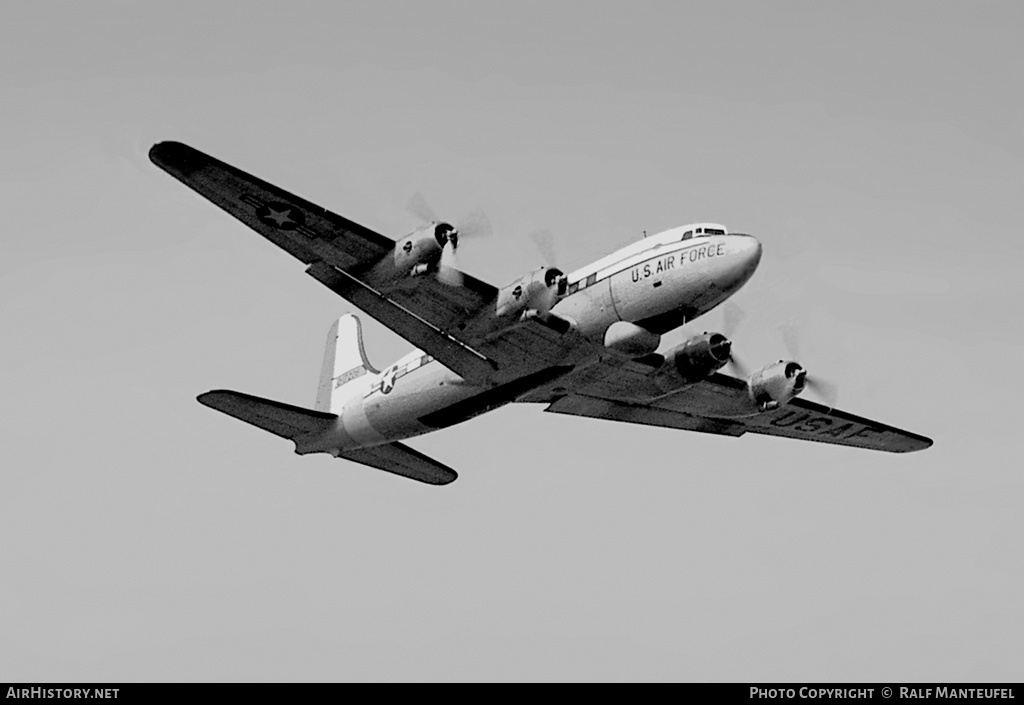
x,y
402,460
293,422
281,419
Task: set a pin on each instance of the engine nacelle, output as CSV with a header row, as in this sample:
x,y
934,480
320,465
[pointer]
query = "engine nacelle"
x,y
532,294
776,384
419,252
693,361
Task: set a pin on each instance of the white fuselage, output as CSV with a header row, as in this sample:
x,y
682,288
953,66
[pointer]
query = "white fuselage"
x,y
658,283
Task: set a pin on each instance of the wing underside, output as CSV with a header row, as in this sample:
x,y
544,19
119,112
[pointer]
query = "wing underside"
x,y
303,229
715,405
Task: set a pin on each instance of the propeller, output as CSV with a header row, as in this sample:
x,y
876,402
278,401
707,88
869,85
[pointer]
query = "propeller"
x,y
827,391
475,224
732,317
419,207
545,244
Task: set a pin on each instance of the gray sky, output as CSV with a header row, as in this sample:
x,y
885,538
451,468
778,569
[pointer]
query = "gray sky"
x,y
875,149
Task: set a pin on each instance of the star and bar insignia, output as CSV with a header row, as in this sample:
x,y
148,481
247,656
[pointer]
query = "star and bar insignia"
x,y
387,382
280,216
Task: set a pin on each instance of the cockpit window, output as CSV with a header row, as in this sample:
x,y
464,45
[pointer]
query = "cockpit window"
x,y
688,234
713,231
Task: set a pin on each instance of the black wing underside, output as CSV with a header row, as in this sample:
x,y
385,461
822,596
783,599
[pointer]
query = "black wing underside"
x,y
305,230
716,405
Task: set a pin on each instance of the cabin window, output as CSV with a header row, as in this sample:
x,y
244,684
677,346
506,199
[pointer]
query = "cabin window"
x,y
574,287
591,279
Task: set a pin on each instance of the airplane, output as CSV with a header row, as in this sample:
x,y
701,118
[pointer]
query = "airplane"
x,y
584,343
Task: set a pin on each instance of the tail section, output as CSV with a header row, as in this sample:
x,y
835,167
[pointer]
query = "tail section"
x,y
344,374
345,365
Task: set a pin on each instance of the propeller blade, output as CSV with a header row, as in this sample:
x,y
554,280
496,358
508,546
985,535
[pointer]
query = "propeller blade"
x,y
545,244
741,369
824,390
448,271
791,339
419,207
732,316
475,224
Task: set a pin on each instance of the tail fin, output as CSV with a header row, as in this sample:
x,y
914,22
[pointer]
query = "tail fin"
x,y
344,366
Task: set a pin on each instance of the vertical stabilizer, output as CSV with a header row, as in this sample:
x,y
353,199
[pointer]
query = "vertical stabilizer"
x,y
345,365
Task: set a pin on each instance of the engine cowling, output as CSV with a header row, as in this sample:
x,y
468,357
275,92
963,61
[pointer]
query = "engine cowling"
x,y
776,384
531,294
694,360
419,252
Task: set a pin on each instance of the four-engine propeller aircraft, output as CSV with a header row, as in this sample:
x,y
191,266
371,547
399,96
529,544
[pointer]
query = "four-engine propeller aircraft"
x,y
583,343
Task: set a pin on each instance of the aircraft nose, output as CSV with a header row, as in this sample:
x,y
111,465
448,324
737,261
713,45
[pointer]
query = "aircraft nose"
x,y
749,255
746,255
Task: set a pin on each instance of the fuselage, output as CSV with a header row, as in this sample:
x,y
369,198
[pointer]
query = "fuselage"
x,y
657,284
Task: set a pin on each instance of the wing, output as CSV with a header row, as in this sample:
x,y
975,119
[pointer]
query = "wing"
x,y
306,231
801,419
808,421
435,317
719,404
